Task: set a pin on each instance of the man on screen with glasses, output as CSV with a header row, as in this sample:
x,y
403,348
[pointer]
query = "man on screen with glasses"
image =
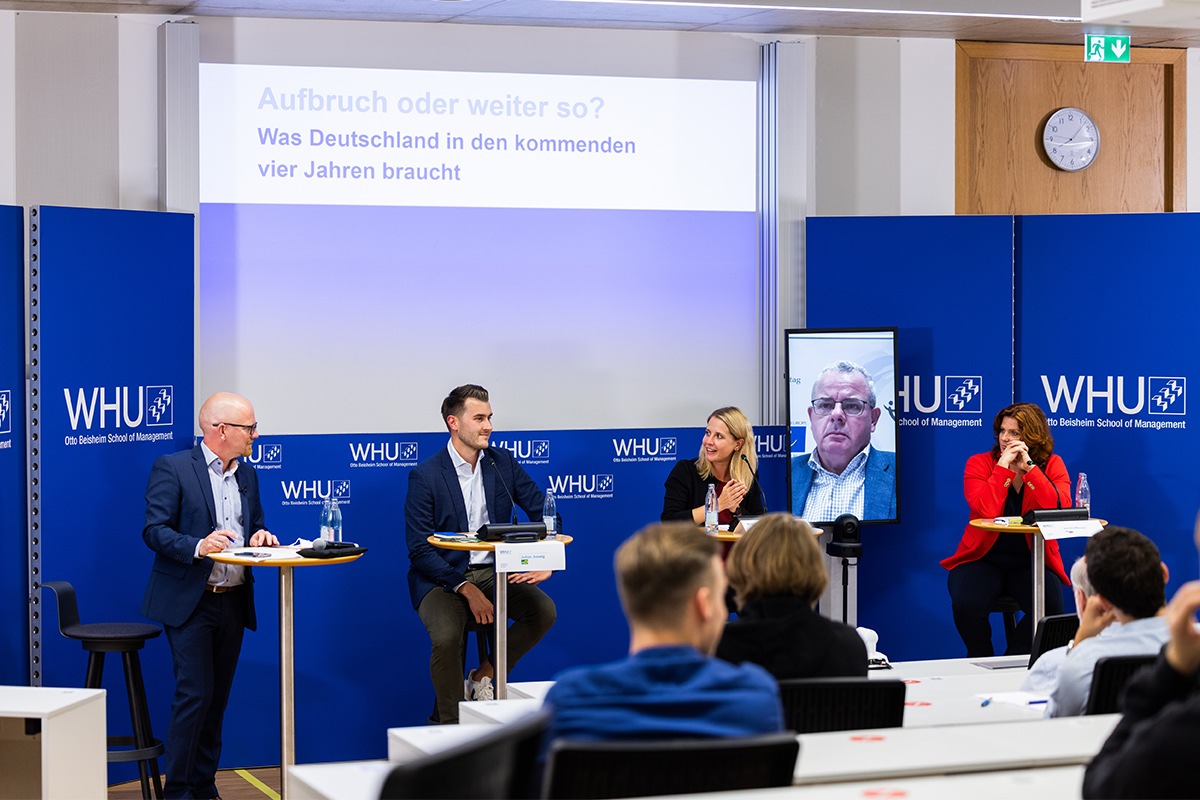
x,y
844,474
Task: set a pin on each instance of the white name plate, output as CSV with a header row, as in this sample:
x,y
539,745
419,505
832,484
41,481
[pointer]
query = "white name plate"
x,y
530,556
1071,529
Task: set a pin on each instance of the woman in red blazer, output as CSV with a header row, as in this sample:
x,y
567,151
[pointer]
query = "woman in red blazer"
x,y
1019,474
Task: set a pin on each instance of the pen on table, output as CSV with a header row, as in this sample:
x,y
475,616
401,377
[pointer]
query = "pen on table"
x,y
986,702
1041,702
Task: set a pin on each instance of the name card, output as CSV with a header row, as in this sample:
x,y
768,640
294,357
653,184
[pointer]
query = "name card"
x,y
531,556
1070,529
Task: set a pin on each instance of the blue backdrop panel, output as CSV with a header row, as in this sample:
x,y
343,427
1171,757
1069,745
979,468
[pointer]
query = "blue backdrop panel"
x,y
1107,350
362,655
14,608
946,284
116,392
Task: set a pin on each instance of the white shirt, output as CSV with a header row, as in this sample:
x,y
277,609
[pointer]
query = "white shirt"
x,y
227,500
470,482
1139,637
831,495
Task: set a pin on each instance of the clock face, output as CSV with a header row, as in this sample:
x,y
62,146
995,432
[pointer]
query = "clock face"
x,y
1071,139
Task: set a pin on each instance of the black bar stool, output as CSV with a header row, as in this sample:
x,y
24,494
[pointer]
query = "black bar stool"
x,y
125,638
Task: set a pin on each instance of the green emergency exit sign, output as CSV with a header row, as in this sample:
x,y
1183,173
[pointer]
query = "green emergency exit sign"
x,y
1100,47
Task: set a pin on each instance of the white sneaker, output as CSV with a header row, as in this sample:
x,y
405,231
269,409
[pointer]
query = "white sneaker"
x,y
481,689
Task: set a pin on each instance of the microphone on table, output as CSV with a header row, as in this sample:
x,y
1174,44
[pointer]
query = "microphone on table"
x,y
325,544
504,483
761,494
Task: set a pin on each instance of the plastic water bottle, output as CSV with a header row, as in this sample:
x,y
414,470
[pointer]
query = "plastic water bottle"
x,y
710,510
335,520
1083,494
549,515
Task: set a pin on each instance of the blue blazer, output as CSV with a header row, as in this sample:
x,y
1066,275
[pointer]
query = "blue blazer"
x,y
435,504
879,498
180,511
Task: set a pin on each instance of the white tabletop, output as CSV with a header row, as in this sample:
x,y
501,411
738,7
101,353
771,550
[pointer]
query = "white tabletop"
x,y
405,744
42,702
350,780
535,690
903,752
959,699
953,666
494,712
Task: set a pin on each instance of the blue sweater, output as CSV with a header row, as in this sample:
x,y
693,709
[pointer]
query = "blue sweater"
x,y
664,693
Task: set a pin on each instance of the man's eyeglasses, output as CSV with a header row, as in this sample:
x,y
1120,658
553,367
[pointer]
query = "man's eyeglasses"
x,y
254,427
851,406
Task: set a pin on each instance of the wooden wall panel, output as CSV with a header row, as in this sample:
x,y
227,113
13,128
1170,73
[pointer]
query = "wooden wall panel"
x,y
1005,94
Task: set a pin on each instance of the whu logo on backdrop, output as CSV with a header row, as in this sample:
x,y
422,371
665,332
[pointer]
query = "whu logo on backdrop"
x,y
963,394
770,445
383,453
527,451
646,447
578,486
266,455
5,411
120,406
1109,394
314,492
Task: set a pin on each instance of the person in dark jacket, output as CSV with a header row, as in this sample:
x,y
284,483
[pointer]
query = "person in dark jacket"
x,y
777,576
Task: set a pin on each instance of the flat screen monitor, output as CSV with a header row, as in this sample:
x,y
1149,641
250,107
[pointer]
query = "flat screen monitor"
x,y
841,399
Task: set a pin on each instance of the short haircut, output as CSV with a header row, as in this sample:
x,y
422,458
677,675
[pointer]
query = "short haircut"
x,y
1126,569
1079,577
778,556
456,401
660,568
847,368
1035,431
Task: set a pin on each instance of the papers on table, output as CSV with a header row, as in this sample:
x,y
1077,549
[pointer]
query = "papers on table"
x,y
257,555
1014,698
1070,529
464,538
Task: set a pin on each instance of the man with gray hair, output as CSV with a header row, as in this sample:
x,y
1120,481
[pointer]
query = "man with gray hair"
x,y
844,474
1043,675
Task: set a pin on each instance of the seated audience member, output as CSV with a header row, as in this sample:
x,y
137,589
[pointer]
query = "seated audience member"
x,y
1129,578
1150,752
672,588
777,576
1044,672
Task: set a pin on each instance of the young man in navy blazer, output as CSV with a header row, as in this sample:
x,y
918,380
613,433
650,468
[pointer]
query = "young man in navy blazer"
x,y
460,488
203,501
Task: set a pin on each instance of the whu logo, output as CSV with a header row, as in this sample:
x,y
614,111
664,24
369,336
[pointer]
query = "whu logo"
x,y
130,405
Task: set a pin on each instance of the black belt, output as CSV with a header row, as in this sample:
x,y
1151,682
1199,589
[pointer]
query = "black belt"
x,y
208,587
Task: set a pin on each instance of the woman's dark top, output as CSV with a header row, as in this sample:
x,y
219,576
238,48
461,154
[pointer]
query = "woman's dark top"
x,y
789,639
685,490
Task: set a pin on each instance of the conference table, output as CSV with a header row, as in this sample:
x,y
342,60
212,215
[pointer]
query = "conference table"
x,y
469,543
284,559
1039,557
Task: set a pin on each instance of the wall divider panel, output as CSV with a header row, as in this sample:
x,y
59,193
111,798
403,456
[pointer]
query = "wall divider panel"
x,y
14,635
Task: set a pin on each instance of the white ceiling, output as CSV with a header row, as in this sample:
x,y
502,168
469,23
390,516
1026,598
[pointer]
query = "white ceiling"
x,y
979,20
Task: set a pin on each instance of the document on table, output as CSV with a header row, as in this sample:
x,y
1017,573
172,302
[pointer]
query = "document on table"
x,y
1014,698
257,555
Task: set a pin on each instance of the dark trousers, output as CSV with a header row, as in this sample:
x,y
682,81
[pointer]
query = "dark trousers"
x,y
205,652
976,585
446,615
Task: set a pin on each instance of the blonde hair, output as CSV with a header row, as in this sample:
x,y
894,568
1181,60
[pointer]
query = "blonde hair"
x,y
778,556
739,428
660,568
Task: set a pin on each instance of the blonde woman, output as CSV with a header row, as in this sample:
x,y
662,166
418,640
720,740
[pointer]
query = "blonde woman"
x,y
728,461
777,576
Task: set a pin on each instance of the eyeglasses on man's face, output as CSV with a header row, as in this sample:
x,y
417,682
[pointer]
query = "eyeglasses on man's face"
x,y
851,406
254,428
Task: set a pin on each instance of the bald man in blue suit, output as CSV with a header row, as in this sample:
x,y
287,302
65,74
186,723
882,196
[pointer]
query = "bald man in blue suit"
x,y
203,501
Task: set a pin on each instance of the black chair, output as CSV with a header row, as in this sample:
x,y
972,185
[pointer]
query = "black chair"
x,y
1109,679
583,769
126,638
813,705
501,763
1052,632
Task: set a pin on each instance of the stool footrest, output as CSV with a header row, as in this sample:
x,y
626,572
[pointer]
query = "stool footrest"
x,y
153,750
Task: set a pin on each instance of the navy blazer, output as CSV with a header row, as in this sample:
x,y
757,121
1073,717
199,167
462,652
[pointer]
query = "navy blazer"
x,y
879,484
435,505
180,511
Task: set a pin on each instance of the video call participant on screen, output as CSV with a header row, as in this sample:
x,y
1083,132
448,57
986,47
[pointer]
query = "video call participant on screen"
x,y
844,474
1020,473
728,460
672,588
203,501
778,574
462,487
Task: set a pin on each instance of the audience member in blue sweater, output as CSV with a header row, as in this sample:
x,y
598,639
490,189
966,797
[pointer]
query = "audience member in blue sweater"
x,y
777,576
672,587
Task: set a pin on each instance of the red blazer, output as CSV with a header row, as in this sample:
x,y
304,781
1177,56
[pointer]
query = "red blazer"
x,y
985,485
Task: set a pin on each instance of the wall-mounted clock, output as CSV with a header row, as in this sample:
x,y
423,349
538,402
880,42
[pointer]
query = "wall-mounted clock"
x,y
1071,139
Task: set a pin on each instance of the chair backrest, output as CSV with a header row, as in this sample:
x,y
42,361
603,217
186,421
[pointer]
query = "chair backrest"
x,y
812,705
68,607
1053,631
1108,681
499,764
639,768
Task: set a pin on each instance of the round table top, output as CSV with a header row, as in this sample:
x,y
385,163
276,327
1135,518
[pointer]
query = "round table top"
x,y
989,524
278,561
450,544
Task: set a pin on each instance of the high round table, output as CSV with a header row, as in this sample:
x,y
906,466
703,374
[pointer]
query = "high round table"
x,y
287,687
1039,559
501,608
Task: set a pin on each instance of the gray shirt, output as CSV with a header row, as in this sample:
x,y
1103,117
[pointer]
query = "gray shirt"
x,y
1140,637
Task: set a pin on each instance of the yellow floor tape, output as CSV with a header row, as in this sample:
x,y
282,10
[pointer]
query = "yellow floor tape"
x,y
257,784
